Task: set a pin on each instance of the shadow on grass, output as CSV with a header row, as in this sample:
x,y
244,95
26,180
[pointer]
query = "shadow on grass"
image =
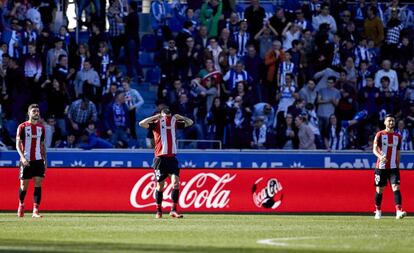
x,y
15,246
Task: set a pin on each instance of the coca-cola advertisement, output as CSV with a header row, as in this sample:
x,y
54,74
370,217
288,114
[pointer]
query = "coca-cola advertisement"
x,y
207,190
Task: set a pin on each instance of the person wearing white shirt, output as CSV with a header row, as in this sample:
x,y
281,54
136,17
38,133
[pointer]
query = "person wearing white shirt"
x,y
289,34
324,17
390,73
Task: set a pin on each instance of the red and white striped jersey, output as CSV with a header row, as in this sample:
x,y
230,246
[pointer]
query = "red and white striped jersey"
x,y
165,135
31,136
389,144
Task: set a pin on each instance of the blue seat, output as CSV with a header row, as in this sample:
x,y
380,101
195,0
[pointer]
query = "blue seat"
x,y
153,75
149,43
146,59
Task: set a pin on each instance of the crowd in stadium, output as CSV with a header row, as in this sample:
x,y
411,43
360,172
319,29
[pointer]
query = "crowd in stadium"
x,y
314,75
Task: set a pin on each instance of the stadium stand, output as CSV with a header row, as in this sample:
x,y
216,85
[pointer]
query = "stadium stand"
x,y
359,76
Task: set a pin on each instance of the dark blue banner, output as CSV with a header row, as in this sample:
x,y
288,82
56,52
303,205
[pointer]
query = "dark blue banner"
x,y
212,159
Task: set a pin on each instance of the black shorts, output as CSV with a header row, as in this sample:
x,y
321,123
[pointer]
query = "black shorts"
x,y
34,169
164,166
384,175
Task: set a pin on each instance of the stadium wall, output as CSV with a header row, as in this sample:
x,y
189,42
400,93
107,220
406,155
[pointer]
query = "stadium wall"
x,y
212,159
208,190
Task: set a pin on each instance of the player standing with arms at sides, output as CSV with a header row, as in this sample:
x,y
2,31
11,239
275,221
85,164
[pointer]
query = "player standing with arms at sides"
x,y
165,164
30,144
387,145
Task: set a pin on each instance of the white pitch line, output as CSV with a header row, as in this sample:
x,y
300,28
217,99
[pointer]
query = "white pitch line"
x,y
281,242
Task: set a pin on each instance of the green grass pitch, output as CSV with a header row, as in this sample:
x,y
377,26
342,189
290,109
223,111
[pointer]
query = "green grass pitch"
x,y
107,232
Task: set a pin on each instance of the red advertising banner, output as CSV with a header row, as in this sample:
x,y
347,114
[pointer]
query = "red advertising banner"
x,y
208,190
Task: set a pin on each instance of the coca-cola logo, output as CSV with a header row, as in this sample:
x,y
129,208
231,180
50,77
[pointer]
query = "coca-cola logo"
x,y
204,190
267,194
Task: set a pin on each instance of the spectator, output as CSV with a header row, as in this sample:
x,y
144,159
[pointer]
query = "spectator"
x,y
233,76
160,15
297,108
278,21
388,72
265,38
242,90
239,116
201,39
132,41
305,134
232,24
287,94
53,56
18,94
185,107
253,65
308,93
205,95
90,140
287,67
13,38
101,63
255,14
363,74
80,113
232,58
328,99
392,35
70,142
34,15
189,59
368,99
116,27
324,18
57,102
61,71
117,122
168,59
287,134
302,23
289,34
52,134
210,15
406,142
185,33
225,39
259,134
134,101
272,60
373,26
217,118
86,81
114,76
265,111
110,95
405,52
313,123
242,38
336,136
77,59
387,96
33,71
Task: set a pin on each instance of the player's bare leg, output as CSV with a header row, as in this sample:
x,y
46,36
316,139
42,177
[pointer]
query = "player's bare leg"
x,y
175,193
158,198
24,184
378,201
398,201
37,197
